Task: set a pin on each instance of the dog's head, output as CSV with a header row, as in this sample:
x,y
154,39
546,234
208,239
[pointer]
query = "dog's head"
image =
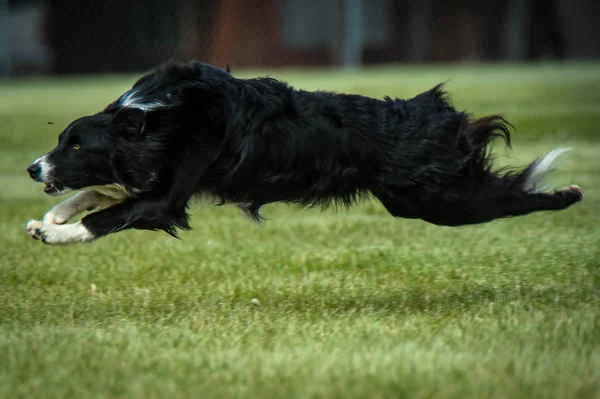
x,y
122,145
86,153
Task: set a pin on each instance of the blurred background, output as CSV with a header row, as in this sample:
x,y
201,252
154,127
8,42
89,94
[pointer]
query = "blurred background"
x,y
113,36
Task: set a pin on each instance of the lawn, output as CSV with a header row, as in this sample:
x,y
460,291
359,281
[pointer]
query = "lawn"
x,y
313,304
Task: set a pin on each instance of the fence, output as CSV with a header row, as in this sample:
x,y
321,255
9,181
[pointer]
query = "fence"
x,y
91,36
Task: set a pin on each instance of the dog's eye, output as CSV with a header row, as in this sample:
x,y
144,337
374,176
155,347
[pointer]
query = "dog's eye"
x,y
76,147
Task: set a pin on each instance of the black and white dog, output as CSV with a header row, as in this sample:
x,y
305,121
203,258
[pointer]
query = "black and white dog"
x,y
190,129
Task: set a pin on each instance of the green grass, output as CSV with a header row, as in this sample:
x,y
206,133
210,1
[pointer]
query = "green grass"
x,y
352,304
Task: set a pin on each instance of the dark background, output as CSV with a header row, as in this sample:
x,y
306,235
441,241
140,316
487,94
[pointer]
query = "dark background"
x,y
99,36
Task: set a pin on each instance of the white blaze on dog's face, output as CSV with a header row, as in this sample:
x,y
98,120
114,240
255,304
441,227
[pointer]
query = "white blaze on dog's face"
x,y
82,158
40,170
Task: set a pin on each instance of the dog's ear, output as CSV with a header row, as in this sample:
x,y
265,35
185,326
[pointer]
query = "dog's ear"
x,y
129,120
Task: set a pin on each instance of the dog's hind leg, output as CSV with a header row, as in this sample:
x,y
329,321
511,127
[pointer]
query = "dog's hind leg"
x,y
399,204
476,194
494,201
519,204
482,197
517,194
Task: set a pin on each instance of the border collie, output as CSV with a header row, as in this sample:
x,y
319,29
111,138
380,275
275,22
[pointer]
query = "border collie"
x,y
188,129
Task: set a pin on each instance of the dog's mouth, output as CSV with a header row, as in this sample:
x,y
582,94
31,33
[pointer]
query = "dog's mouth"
x,y
54,188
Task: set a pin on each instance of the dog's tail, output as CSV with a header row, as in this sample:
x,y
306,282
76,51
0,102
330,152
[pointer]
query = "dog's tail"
x,y
474,138
473,135
478,134
532,178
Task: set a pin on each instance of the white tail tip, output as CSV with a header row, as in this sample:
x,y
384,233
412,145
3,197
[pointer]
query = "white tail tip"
x,y
542,168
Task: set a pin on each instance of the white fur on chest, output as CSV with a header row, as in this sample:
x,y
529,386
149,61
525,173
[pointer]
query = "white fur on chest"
x,y
114,191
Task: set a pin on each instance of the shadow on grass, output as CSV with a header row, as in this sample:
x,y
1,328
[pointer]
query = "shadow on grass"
x,y
172,308
417,300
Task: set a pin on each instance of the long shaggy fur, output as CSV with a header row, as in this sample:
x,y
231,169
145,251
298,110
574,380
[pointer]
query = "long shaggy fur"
x,y
186,129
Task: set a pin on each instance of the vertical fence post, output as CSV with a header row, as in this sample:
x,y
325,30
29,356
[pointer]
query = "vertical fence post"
x,y
420,28
4,32
353,35
517,30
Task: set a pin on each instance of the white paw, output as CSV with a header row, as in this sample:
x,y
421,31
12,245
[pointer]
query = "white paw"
x,y
54,218
34,229
54,234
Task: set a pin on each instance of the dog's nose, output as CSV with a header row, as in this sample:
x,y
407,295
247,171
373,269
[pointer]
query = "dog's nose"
x,y
34,170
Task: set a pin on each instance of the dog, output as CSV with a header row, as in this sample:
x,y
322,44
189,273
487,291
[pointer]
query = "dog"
x,y
187,129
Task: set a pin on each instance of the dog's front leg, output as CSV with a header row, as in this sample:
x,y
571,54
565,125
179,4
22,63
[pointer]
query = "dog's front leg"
x,y
82,201
52,230
147,214
59,234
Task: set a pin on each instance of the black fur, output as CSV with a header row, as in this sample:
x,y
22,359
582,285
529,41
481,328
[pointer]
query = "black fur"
x,y
193,128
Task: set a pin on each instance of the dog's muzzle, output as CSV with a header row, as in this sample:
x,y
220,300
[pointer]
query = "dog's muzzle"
x,y
39,171
35,171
